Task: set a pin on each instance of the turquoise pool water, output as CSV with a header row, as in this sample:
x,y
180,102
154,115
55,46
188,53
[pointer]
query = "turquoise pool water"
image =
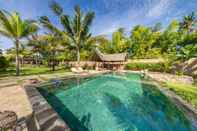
x,y
114,102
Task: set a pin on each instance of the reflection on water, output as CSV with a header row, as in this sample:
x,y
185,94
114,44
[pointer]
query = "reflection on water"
x,y
115,102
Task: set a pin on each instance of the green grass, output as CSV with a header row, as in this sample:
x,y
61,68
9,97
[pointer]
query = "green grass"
x,y
187,92
32,70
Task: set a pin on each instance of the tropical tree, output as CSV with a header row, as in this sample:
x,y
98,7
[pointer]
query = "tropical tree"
x,y
1,52
76,28
52,49
36,47
143,41
169,39
157,27
188,23
187,47
14,28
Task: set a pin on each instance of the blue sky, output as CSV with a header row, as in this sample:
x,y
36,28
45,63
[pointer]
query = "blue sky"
x,y
110,14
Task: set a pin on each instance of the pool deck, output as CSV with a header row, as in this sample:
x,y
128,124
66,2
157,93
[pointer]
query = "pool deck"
x,y
14,98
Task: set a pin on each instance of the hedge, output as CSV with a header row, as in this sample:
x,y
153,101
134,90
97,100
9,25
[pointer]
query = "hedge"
x,y
4,63
160,67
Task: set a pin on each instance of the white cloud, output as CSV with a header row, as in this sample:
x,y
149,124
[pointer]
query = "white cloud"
x,y
159,8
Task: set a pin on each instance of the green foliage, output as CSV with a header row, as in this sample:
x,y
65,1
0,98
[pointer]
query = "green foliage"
x,y
157,27
118,44
168,40
142,66
188,23
143,39
188,46
4,63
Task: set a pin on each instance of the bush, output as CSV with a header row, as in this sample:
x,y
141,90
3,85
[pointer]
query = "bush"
x,y
4,63
150,66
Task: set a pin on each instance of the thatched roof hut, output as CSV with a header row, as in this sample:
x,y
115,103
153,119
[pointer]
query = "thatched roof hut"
x,y
112,61
119,57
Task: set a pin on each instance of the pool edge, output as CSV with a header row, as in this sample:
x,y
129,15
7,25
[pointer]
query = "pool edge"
x,y
44,116
189,111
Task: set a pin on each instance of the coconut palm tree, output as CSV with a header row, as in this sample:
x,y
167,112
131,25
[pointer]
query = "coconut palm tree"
x,y
14,28
75,28
52,46
188,22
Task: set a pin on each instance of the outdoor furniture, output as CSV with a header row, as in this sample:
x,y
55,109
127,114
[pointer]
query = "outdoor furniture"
x,y
8,120
78,70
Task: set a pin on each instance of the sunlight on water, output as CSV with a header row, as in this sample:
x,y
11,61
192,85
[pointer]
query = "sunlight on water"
x,y
115,102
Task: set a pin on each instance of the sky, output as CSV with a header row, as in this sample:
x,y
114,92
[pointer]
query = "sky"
x,y
109,14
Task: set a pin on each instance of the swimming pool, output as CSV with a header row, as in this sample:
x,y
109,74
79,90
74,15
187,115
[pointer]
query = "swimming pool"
x,y
114,102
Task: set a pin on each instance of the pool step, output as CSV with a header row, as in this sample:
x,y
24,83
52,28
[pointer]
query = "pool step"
x,y
44,115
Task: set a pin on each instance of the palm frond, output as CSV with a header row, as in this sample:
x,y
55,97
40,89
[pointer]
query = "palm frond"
x,y
44,20
77,20
56,8
29,28
5,33
5,22
86,25
67,25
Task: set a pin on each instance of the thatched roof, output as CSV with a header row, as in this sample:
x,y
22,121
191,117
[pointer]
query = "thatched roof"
x,y
119,57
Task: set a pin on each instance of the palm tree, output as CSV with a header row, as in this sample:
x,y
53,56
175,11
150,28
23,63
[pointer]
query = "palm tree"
x,y
14,28
188,22
52,47
76,28
37,47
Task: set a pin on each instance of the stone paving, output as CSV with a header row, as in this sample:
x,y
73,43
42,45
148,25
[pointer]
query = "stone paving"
x,y
15,99
165,77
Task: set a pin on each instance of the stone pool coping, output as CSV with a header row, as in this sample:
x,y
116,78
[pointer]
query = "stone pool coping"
x,y
189,111
44,117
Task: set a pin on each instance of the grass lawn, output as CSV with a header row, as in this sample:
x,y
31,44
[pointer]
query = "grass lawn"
x,y
31,70
187,92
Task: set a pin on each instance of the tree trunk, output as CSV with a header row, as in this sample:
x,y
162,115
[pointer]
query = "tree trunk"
x,y
36,60
17,58
53,65
53,61
22,61
78,57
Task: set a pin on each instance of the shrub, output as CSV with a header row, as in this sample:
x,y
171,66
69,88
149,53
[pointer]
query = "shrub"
x,y
4,63
150,66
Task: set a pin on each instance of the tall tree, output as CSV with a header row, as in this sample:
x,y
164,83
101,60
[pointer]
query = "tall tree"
x,y
157,27
76,28
118,44
53,47
169,38
13,27
143,40
188,23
